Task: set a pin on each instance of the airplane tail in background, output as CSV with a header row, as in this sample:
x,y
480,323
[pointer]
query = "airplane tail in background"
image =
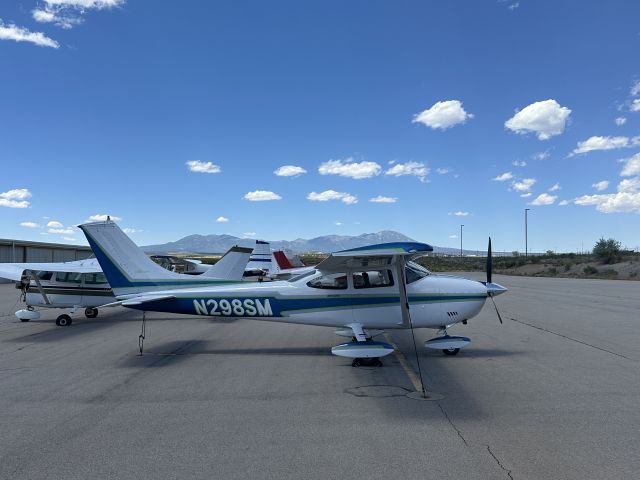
x,y
129,270
232,264
282,260
261,257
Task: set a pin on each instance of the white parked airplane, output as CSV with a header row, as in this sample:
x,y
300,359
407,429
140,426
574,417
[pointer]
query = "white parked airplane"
x,y
359,291
81,284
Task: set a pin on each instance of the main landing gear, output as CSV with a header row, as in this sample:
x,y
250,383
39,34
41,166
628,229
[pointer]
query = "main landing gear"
x,y
450,351
64,320
367,362
90,312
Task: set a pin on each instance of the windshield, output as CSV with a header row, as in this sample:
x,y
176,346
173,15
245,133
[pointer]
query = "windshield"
x,y
415,272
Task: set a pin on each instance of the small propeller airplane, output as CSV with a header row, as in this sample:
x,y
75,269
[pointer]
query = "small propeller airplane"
x,y
361,292
81,284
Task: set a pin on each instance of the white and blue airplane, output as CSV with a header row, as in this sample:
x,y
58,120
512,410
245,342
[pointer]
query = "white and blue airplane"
x,y
361,292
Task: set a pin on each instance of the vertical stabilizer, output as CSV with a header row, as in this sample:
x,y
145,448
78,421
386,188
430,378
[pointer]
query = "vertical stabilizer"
x,y
127,268
232,264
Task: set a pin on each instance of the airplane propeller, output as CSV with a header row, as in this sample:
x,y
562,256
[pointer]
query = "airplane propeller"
x,y
489,275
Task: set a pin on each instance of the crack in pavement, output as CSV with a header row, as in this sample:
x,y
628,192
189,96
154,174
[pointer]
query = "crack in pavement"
x,y
569,338
446,415
499,463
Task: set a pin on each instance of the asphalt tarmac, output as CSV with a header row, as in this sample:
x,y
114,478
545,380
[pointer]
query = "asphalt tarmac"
x,y
554,393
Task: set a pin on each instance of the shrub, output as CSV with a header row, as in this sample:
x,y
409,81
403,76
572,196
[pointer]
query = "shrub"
x,y
553,271
589,270
607,251
567,267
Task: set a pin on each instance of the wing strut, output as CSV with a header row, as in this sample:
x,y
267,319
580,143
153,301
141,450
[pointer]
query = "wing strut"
x,y
406,315
34,275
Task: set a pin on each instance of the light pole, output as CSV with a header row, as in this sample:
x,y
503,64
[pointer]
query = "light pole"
x,y
526,233
461,239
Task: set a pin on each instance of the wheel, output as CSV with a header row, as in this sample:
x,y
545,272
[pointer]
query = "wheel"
x,y
63,320
379,363
91,312
451,351
356,362
24,319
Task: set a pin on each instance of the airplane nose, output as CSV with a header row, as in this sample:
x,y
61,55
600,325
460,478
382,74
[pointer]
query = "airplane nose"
x,y
494,289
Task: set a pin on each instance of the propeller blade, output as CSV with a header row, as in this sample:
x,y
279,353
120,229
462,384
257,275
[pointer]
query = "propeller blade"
x,y
496,307
489,262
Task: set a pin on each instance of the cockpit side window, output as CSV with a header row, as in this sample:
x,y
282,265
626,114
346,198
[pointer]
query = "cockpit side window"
x,y
44,275
332,281
68,277
373,279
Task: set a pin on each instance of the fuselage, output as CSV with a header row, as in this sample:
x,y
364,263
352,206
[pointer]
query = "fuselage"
x,y
435,301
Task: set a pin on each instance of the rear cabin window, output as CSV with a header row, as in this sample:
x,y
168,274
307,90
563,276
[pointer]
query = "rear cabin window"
x,y
373,279
333,281
94,278
68,277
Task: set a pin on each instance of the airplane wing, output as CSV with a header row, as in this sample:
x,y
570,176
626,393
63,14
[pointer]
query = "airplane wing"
x,y
372,256
15,271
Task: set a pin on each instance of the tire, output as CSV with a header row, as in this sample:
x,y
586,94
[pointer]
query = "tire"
x,y
24,319
64,320
451,351
356,362
90,312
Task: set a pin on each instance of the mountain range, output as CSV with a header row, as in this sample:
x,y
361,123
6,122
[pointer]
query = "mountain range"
x,y
327,243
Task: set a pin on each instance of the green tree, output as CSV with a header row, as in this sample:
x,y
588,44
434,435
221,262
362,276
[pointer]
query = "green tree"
x,y
607,251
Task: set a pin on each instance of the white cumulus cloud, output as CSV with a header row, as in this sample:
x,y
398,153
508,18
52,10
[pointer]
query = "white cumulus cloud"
x,y
15,198
523,185
261,196
202,167
443,115
30,225
620,202
519,163
541,155
544,199
222,219
602,185
289,171
55,224
382,199
129,230
328,195
605,143
460,214
20,34
555,187
635,105
68,13
417,169
503,177
62,231
562,203
349,168
631,166
620,121
635,89
546,119
453,236
442,171
102,217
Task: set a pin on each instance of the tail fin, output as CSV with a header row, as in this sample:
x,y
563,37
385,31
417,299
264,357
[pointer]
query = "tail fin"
x,y
283,261
231,265
127,268
261,257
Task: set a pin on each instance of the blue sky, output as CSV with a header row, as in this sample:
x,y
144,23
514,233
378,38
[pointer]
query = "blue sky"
x,y
420,104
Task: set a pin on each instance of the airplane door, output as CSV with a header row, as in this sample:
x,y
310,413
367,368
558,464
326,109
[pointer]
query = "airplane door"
x,y
375,300
67,289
